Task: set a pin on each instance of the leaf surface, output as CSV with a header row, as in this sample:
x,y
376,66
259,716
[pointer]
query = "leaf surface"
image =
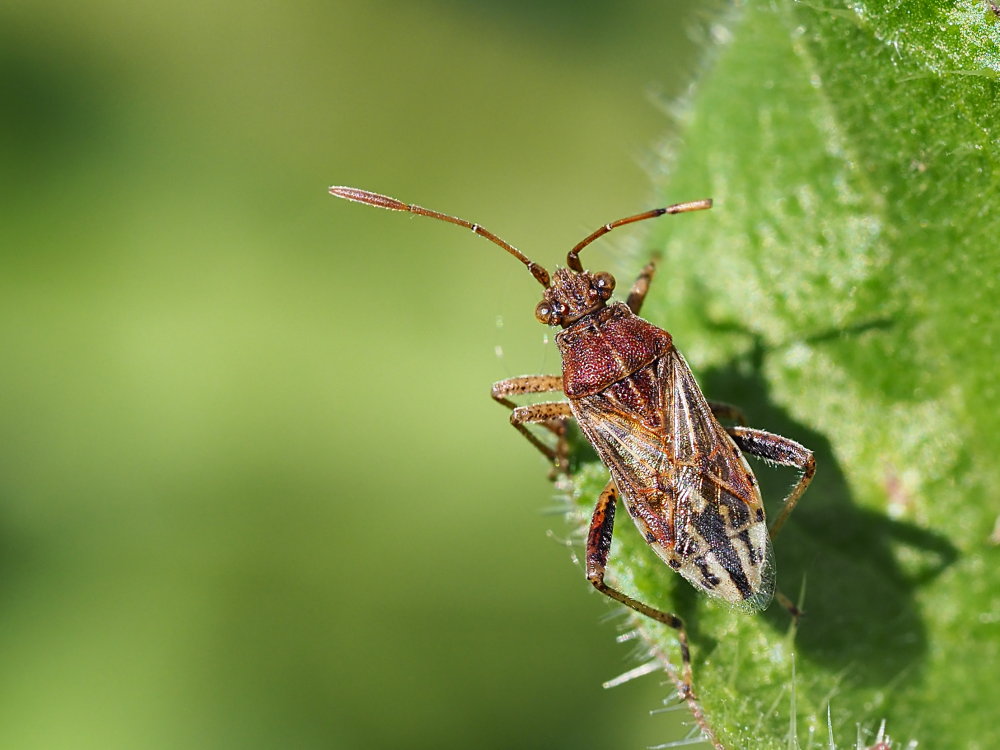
x,y
843,292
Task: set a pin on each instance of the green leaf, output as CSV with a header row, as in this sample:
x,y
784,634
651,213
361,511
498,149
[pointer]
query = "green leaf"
x,y
843,292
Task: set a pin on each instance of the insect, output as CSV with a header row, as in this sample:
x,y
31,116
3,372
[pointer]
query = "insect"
x,y
681,475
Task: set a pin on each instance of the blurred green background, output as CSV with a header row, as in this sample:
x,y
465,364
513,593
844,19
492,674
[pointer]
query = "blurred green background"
x,y
253,491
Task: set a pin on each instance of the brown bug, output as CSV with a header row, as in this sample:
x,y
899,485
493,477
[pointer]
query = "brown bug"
x,y
679,472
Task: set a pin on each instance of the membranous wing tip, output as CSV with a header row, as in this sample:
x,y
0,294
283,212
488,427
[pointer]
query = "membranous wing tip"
x,y
739,569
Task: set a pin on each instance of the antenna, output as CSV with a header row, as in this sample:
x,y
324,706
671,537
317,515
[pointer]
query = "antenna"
x,y
384,201
573,259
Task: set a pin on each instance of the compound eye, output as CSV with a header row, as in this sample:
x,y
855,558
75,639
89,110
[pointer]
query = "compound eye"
x,y
547,314
604,283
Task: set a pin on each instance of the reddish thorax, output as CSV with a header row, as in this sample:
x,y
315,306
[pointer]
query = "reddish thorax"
x,y
607,346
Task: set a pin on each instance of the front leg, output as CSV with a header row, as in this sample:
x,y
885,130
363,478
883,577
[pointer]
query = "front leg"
x,y
640,288
780,450
598,548
550,415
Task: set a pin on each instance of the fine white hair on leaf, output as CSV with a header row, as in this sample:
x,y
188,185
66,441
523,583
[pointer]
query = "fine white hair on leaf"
x,y
641,671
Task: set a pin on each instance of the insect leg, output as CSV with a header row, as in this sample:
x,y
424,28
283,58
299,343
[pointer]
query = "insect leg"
x,y
728,412
525,384
522,415
788,604
551,415
780,450
598,548
640,287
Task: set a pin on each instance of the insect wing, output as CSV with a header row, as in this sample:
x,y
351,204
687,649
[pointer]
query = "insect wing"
x,y
683,480
722,538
